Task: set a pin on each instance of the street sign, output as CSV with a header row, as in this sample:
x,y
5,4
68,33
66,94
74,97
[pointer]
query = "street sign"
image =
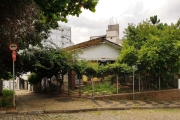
x,y
14,56
13,47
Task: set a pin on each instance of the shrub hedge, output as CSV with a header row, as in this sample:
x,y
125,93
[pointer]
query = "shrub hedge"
x,y
6,100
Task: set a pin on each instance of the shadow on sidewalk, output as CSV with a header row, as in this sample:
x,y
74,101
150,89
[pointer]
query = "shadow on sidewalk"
x,y
26,100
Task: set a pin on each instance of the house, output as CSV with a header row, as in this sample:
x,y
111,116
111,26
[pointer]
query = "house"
x,y
22,82
97,50
8,84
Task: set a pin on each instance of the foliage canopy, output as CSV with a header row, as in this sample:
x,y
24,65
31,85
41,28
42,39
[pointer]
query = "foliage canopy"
x,y
27,22
154,47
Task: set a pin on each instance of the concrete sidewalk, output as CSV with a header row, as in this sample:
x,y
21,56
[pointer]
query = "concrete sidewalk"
x,y
35,103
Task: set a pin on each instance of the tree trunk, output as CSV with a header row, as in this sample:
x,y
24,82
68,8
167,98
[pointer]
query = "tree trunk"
x,y
79,87
92,86
149,82
102,80
139,83
159,82
57,85
61,82
117,84
146,82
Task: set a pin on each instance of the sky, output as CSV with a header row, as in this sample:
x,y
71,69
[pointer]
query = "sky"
x,y
121,12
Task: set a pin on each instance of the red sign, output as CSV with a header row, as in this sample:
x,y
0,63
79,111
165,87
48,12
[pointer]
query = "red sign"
x,y
13,46
14,55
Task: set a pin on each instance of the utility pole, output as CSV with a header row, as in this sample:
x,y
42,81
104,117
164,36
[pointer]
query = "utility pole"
x,y
117,84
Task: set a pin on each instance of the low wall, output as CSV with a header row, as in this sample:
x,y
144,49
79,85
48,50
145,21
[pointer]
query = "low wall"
x,y
160,95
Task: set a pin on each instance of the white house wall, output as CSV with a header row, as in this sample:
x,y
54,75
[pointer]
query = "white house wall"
x,y
25,76
99,52
6,84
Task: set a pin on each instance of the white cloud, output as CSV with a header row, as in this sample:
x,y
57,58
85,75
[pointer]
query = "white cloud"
x,y
123,12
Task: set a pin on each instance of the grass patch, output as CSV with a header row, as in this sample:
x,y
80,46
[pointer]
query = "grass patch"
x,y
98,112
94,106
102,88
136,105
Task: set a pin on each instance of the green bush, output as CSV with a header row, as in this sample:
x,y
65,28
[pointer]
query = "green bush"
x,y
7,98
8,93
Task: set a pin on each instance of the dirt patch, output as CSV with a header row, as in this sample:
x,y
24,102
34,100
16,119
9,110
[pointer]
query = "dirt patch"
x,y
160,95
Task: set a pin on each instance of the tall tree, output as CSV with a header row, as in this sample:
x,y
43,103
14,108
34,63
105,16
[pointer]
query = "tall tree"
x,y
27,22
156,51
154,19
45,63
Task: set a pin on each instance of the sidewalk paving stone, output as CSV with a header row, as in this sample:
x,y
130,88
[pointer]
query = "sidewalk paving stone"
x,y
38,103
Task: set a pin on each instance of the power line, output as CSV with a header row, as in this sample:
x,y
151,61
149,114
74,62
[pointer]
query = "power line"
x,y
74,22
71,26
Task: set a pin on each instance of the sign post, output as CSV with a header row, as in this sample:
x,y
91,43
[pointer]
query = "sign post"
x,y
13,48
14,55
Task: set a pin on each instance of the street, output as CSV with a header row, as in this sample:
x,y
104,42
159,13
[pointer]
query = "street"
x,y
133,114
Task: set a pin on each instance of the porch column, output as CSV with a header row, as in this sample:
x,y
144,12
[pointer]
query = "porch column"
x,y
71,79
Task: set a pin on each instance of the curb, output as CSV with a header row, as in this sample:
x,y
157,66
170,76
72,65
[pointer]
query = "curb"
x,y
35,112
31,112
12,112
2,112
